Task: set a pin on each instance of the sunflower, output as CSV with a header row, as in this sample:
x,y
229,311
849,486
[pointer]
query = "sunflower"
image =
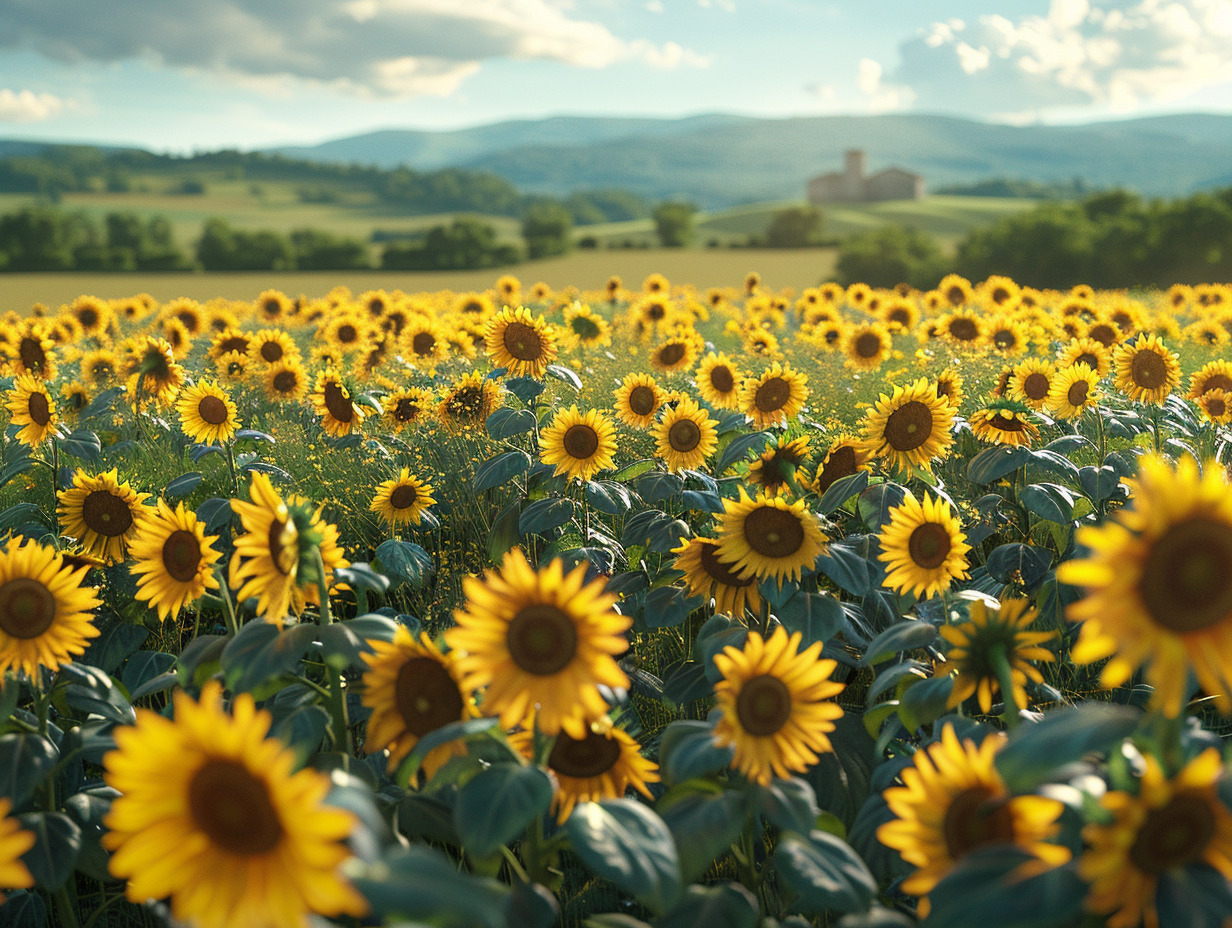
x,y
1004,422
774,470
469,402
775,397
1031,381
269,346
413,689
845,456
187,312
1214,375
346,332
173,558
765,536
229,339
31,352
541,641
1001,292
272,305
706,576
1104,331
177,337
101,513
1073,390
910,428
32,407
151,371
275,560
950,388
1216,406
989,637
867,345
100,367
685,436
76,396
776,703
962,327
757,341
578,444
45,611
521,343
899,315
676,353
285,381
952,802
1146,371
425,344
603,764
508,288
210,815
405,408
1086,351
331,400
402,499
955,291
718,381
585,327
638,399
14,842
1159,584
923,547
207,413
91,314
1171,824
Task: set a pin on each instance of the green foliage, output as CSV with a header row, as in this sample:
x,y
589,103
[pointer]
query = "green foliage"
x,y
464,244
674,224
547,229
795,227
891,255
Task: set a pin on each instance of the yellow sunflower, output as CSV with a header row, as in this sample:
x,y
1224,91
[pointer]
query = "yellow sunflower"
x,y
766,536
101,513
31,352
405,408
923,547
331,400
910,428
232,367
92,314
602,764
674,354
845,457
950,388
413,689
100,367
541,641
955,290
521,343
402,499
991,637
962,327
269,346
207,413
1008,336
76,396
211,815
275,560
719,380
706,576
1146,371
1004,422
777,705
31,406
14,842
774,470
1216,406
1031,381
638,399
45,611
1086,351
173,559
585,327
774,397
952,802
1169,825
285,381
425,344
229,339
578,444
346,332
151,371
1158,584
1074,389
867,345
469,402
1213,375
685,436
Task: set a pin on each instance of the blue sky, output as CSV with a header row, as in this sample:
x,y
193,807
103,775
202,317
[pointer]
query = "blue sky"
x,y
183,75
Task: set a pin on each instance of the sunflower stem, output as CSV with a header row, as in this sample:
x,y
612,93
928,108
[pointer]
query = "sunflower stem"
x,y
235,485
55,480
65,908
337,698
1005,679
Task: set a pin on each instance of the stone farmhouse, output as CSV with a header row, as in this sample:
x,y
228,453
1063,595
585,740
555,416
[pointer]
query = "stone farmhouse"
x,y
853,185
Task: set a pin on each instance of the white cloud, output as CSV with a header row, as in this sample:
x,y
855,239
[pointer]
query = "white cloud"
x,y
389,47
881,96
28,106
1113,53
727,6
655,6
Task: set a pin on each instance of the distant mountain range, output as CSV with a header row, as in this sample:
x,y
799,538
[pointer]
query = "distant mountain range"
x,y
722,160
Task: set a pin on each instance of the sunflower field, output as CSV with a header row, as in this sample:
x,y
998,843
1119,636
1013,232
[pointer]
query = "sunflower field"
x,y
619,608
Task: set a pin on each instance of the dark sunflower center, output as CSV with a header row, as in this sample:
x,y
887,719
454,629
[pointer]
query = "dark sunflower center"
x,y
900,316
406,410
671,353
976,817
909,426
523,342
182,555
102,370
1217,382
773,532
929,545
423,343
1007,424
32,355
403,497
106,514
338,404
542,640
591,756
721,379
426,696
88,317
684,435
283,557
868,345
580,441
1089,358
27,608
764,705
1148,370
39,409
465,403
234,343
285,381
212,410
841,462
271,351
1035,386
1005,338
964,329
347,333
718,571
1000,295
656,311
1216,407
642,400
1173,836
584,327
1077,393
234,809
1103,333
956,296
1186,581
772,395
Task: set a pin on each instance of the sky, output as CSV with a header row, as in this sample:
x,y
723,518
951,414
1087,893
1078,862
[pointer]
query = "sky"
x,y
196,75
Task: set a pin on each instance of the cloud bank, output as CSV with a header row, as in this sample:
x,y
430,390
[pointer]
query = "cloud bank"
x,y
28,106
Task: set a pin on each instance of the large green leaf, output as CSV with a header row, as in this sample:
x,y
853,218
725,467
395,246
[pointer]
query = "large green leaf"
x,y
261,651
623,841
825,873
704,827
498,804
728,905
688,750
423,885
993,463
498,470
25,761
1064,735
57,841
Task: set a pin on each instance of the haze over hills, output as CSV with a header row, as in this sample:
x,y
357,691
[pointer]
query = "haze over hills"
x,y
722,160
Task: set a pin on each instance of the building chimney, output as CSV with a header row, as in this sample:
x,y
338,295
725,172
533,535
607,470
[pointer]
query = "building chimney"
x,y
855,160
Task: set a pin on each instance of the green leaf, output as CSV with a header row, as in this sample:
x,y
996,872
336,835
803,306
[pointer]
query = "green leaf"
x,y
825,872
877,502
498,804
623,841
818,616
841,490
254,435
199,658
729,905
983,890
409,766
423,885
636,469
23,909
847,567
25,761
657,486
83,444
57,841
115,645
544,515
688,749
347,642
504,532
668,607
261,652
704,828
993,463
183,485
21,514
1098,483
498,470
92,691
214,513
509,423
906,635
789,805
1064,735
1049,501
303,730
565,375
143,667
925,701
1030,562
738,449
405,561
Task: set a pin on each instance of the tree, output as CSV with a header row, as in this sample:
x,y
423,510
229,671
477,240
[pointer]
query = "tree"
x,y
547,229
794,227
223,248
674,223
465,244
890,255
322,251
